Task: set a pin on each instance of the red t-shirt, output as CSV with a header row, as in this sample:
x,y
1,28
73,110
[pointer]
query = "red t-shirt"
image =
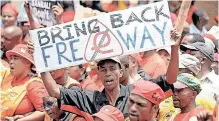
x,y
189,115
92,82
154,65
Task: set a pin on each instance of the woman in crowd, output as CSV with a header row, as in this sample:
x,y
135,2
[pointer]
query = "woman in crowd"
x,y
21,93
9,15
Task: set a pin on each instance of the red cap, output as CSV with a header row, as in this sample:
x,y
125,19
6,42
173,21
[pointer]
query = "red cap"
x,y
149,91
10,7
209,36
20,50
109,113
68,16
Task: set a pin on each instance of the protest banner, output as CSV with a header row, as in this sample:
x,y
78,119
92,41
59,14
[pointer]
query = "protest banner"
x,y
41,12
117,33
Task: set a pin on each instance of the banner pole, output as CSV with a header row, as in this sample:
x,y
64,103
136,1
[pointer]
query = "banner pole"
x,y
182,15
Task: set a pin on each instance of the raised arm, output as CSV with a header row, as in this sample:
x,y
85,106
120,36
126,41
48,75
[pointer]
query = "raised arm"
x,y
50,84
33,25
173,67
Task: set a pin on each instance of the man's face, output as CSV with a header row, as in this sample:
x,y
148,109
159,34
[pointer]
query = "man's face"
x,y
8,18
75,72
165,55
110,73
56,74
204,18
182,97
197,54
7,41
140,109
51,107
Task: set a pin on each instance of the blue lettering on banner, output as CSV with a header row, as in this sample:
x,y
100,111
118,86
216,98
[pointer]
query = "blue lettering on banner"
x,y
44,55
126,42
144,37
161,31
73,50
60,53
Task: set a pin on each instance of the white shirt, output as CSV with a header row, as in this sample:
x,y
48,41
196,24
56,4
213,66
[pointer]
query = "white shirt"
x,y
194,29
210,84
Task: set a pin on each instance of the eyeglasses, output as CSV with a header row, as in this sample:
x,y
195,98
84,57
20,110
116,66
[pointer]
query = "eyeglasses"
x,y
49,104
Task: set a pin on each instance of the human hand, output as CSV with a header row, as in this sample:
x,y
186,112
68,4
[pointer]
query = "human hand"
x,y
205,116
57,10
27,7
175,36
16,117
9,119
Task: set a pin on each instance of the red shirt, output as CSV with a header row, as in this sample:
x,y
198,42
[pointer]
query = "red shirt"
x,y
154,65
189,115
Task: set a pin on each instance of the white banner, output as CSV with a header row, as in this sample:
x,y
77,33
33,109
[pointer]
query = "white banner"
x,y
41,12
117,33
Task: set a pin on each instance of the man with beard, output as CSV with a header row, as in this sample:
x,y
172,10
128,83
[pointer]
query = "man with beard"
x,y
186,88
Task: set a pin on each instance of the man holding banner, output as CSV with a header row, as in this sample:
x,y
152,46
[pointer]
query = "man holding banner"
x,y
114,93
69,45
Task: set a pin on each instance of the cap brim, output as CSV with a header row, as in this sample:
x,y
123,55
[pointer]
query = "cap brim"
x,y
113,59
10,53
179,85
167,49
190,47
102,116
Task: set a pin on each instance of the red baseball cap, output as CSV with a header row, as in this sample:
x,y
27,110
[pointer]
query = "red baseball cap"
x,y
20,50
149,91
109,113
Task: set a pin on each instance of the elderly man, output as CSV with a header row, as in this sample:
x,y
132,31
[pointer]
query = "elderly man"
x,y
113,93
144,101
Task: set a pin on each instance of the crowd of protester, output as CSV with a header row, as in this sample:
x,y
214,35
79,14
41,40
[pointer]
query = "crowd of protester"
x,y
175,83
